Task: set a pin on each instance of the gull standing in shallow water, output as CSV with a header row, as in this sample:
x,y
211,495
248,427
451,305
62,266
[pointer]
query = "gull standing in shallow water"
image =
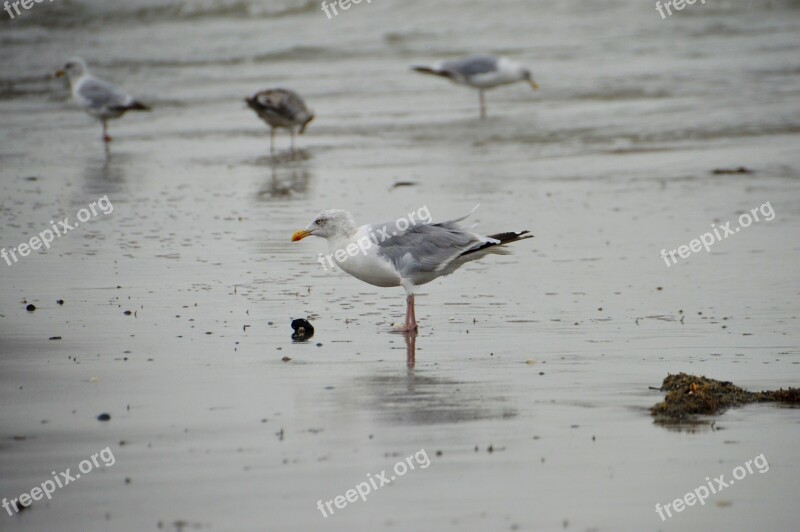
x,y
281,108
405,257
480,72
99,98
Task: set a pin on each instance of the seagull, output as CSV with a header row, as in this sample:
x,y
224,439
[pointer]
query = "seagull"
x,y
386,255
281,108
480,72
99,98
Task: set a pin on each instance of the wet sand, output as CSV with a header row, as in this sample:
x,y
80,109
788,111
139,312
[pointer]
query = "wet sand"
x,y
546,355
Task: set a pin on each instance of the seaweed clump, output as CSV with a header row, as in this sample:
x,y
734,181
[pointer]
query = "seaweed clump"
x,y
690,395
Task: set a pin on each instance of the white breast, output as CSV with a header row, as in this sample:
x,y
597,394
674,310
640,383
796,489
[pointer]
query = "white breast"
x,y
363,262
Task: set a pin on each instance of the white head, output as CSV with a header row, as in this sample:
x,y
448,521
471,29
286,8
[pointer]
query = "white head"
x,y
519,71
328,224
526,75
74,69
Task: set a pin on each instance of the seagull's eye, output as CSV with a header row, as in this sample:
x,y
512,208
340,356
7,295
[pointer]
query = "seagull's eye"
x,y
318,222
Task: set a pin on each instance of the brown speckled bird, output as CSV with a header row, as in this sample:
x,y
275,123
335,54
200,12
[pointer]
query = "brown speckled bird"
x,y
281,108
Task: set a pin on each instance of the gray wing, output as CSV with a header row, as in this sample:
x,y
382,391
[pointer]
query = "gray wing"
x,y
100,94
471,66
424,248
285,103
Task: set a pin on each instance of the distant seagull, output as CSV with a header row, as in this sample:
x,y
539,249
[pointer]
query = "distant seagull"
x,y
480,72
281,108
408,258
99,98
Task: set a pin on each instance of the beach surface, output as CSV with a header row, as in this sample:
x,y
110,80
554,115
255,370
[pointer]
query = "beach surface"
x,y
533,373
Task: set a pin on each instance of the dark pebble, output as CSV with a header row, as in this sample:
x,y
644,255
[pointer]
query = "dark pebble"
x,y
31,307
104,417
303,330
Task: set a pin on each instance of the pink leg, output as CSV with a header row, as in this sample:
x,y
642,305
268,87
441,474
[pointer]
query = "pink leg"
x,y
483,104
411,349
106,138
411,319
272,140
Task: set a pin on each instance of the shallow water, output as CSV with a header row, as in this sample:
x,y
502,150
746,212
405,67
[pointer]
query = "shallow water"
x,y
546,355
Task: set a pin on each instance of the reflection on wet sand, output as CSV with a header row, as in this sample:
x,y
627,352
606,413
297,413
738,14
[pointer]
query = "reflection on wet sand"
x,y
285,158
286,182
106,175
411,348
415,397
687,427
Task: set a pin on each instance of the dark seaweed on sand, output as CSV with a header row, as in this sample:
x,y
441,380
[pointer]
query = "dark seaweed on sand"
x,y
689,395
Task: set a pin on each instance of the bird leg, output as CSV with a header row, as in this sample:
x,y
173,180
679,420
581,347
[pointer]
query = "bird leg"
x,y
411,319
106,137
291,130
271,140
483,103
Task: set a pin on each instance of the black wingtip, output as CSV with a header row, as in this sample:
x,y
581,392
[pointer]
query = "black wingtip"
x,y
503,238
511,236
426,70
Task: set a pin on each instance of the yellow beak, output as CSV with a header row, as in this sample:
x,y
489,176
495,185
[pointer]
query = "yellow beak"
x,y
59,73
534,85
300,235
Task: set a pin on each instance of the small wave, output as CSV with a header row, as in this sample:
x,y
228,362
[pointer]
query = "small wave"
x,y
93,13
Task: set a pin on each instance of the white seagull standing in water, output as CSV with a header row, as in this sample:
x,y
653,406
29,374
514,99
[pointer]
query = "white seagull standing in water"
x,y
403,257
281,108
480,72
99,98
